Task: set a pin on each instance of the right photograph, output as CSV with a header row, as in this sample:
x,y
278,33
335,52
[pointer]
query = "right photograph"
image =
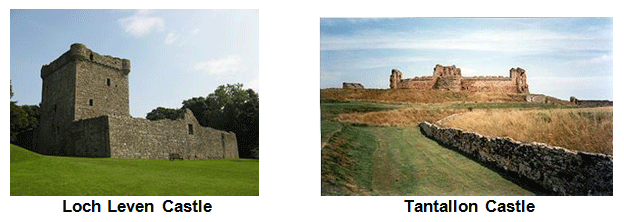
x,y
466,106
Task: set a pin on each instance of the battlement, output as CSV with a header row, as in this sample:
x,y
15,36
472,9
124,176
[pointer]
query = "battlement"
x,y
80,52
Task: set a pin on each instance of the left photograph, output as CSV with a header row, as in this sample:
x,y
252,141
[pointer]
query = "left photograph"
x,y
134,103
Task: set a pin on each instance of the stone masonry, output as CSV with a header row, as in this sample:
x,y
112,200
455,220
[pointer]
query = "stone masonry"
x,y
85,112
556,169
450,78
350,85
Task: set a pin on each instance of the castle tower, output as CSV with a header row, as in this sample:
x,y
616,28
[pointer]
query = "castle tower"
x,y
518,78
447,77
80,84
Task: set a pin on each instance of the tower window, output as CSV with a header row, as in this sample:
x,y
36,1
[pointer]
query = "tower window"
x,y
190,126
54,107
90,102
108,82
91,57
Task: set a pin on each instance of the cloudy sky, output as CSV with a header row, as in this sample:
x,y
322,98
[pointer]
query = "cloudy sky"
x,y
174,54
562,56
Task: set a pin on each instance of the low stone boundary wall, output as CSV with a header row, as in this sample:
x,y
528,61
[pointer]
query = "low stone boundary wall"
x,y
558,170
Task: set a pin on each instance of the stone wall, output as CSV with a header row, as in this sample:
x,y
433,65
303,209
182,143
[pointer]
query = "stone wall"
x,y
350,85
590,103
142,138
101,89
417,83
91,137
558,170
449,78
85,112
57,107
488,84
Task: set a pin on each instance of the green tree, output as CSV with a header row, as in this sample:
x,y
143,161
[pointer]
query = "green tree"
x,y
165,113
24,120
231,108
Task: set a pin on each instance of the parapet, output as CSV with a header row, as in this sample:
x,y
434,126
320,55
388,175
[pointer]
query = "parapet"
x,y
80,52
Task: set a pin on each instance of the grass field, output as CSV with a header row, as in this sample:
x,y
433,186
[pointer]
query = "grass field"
x,y
586,129
371,144
38,175
368,160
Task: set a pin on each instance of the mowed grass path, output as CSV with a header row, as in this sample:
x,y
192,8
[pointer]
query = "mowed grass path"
x,y
408,163
39,175
400,161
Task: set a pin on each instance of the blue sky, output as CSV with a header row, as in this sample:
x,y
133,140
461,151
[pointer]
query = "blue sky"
x,y
563,57
174,54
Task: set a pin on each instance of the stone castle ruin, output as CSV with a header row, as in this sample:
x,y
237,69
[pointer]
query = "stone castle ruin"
x,y
450,78
85,112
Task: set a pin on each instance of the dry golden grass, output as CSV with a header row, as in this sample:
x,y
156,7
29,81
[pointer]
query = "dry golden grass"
x,y
588,129
397,117
416,96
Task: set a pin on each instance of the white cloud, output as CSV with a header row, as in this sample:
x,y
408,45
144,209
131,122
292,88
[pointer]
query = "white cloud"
x,y
599,60
516,41
171,37
229,64
254,83
141,23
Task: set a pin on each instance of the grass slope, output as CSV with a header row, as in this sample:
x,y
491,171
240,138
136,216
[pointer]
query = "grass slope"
x,y
39,175
366,160
407,163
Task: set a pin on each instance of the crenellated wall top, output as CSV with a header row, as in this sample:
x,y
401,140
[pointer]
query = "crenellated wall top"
x,y
80,52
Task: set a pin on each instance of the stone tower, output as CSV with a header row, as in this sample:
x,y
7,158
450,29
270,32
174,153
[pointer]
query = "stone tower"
x,y
447,77
518,78
80,84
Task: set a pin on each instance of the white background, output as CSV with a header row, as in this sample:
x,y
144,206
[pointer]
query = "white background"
x,y
290,122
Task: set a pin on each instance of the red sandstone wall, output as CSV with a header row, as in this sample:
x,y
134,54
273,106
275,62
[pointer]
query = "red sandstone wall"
x,y
417,83
502,85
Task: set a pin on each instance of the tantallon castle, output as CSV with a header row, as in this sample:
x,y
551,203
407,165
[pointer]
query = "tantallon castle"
x,y
85,112
449,78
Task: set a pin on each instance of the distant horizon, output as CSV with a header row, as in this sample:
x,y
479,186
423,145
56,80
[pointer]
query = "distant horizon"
x,y
562,57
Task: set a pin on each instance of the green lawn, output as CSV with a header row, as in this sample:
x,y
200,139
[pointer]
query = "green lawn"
x,y
38,175
368,160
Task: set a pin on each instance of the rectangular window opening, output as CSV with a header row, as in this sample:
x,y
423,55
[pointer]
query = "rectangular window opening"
x,y
190,128
90,102
108,82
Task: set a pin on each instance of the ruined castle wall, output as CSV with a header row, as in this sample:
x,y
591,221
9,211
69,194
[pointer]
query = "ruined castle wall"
x,y
91,137
351,85
558,170
142,138
452,83
488,84
590,103
417,83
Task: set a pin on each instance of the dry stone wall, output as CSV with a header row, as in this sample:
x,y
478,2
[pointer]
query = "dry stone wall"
x,y
558,170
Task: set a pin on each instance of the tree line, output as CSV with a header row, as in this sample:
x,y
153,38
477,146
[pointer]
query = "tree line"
x,y
24,120
229,108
